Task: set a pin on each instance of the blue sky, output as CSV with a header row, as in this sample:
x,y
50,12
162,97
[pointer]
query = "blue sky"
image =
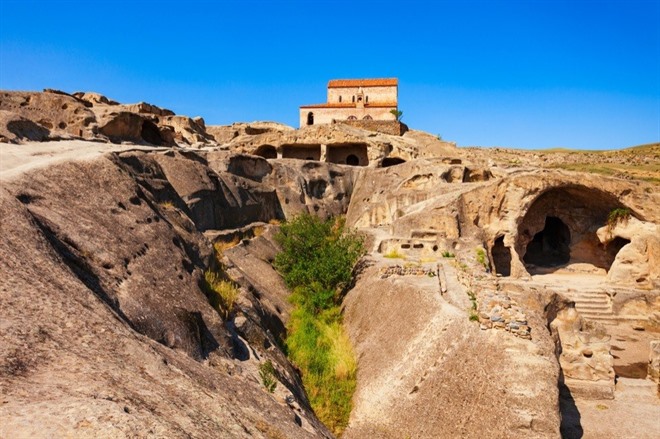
x,y
526,74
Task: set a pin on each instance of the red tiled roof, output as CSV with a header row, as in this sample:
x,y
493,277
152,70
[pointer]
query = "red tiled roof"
x,y
351,105
374,82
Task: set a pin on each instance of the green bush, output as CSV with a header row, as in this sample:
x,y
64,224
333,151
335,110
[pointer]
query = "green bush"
x,y
447,254
317,261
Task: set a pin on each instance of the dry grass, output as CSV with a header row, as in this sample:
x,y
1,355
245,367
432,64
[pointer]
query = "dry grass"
x,y
222,293
221,246
341,351
394,254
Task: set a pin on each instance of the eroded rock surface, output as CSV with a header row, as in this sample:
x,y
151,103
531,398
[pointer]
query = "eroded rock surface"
x,y
102,287
479,296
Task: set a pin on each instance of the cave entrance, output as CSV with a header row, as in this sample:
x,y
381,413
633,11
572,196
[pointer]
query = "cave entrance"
x,y
352,160
150,133
391,161
501,257
266,151
613,247
551,246
354,154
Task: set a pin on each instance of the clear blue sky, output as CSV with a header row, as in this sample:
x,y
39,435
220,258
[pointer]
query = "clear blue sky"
x,y
525,74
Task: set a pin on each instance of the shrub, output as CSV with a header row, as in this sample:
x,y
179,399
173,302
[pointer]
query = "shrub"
x,y
317,261
447,254
267,375
317,256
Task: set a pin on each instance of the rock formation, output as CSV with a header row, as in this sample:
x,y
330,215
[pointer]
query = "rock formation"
x,y
490,278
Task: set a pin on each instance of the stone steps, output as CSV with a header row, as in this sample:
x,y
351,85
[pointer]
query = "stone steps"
x,y
636,389
593,305
594,308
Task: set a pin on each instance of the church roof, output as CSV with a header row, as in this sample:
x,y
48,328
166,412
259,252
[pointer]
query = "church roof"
x,y
373,82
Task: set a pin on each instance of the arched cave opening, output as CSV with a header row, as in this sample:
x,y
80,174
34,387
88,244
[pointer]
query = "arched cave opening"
x,y
150,133
391,161
551,246
352,160
559,228
266,151
501,257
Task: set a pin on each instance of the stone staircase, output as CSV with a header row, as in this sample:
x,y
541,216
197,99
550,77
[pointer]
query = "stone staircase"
x,y
594,305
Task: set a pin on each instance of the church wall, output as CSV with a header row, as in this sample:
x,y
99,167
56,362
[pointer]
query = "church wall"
x,y
327,115
376,94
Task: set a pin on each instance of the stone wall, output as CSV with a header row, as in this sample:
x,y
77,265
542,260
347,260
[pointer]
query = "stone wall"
x,y
327,115
391,127
380,94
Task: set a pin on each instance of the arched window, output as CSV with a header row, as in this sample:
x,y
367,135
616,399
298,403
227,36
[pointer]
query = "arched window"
x,y
353,98
340,98
351,117
366,99
310,118
352,160
367,117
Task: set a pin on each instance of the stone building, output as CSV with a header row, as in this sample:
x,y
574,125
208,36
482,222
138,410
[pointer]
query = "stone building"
x,y
352,100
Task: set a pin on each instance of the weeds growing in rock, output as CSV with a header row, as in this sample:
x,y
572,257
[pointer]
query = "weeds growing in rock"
x,y
317,261
220,246
222,294
394,254
482,258
616,216
447,254
473,314
267,375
